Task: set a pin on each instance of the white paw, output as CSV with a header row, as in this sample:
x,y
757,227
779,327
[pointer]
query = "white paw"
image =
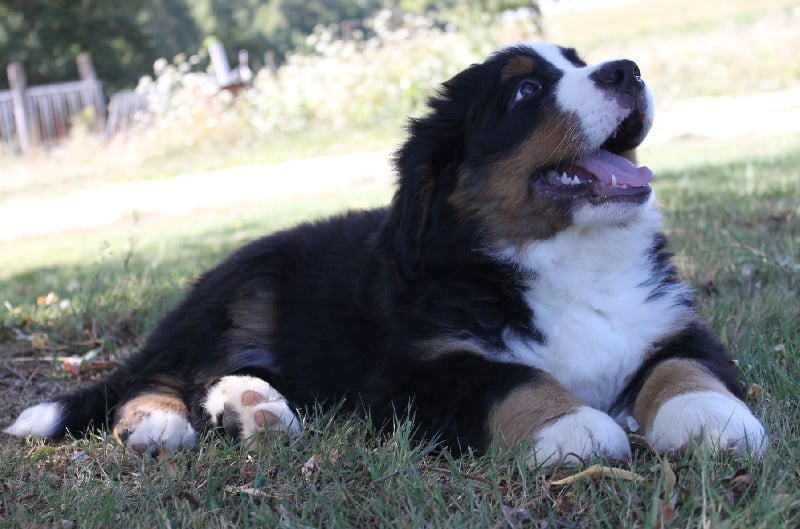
x,y
160,430
712,419
584,434
246,405
42,420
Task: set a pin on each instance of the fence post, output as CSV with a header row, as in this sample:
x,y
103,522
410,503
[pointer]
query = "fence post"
x,y
17,83
86,73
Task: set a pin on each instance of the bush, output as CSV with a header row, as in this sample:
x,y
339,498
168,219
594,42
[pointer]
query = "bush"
x,y
379,76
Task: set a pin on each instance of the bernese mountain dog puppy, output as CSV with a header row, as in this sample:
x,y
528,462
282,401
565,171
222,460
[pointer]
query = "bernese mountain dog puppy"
x,y
516,289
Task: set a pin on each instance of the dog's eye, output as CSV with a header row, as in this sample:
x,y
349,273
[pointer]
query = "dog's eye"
x,y
525,89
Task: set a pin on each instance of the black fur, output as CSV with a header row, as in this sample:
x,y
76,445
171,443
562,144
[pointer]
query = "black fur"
x,y
345,310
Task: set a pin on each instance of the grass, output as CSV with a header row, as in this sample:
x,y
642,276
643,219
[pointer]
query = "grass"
x,y
732,211
734,224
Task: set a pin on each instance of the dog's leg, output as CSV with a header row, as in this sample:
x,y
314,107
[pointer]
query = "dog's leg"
x,y
561,426
682,402
245,405
153,421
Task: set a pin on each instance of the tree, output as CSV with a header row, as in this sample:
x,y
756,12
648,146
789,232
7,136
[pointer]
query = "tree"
x,y
170,28
47,36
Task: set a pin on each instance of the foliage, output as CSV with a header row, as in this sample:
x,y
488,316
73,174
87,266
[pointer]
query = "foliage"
x,y
375,79
47,36
124,38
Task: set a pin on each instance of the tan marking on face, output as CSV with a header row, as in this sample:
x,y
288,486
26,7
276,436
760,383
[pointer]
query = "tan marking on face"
x,y
528,409
670,379
501,197
134,410
517,67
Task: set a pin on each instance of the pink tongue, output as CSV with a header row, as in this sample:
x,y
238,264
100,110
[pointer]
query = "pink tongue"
x,y
603,165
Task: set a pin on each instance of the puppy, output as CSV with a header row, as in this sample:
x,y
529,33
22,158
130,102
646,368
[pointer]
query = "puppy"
x,y
517,288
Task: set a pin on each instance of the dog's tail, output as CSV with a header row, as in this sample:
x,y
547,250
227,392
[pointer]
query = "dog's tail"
x,y
73,413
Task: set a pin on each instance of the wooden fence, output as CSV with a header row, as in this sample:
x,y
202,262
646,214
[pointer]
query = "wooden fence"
x,y
43,115
123,109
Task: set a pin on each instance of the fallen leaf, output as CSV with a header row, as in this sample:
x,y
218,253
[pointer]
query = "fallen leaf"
x,y
740,483
39,340
598,471
46,300
756,391
670,480
311,467
250,491
72,365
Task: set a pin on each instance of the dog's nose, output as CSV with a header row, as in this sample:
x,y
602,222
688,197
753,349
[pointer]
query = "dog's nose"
x,y
622,75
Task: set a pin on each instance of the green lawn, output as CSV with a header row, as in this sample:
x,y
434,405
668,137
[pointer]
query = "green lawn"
x,y
732,211
733,225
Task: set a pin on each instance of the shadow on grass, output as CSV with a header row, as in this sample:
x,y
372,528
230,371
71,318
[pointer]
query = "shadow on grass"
x,y
731,223
733,226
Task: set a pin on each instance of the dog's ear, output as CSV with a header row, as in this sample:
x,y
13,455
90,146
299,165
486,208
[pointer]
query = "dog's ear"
x,y
427,166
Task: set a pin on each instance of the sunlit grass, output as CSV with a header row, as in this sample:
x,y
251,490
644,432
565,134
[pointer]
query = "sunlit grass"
x,y
732,211
733,224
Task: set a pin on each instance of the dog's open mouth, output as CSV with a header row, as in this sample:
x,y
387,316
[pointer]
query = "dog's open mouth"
x,y
600,177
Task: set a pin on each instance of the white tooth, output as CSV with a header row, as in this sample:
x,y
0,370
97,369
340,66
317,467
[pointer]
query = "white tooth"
x,y
564,179
576,180
613,180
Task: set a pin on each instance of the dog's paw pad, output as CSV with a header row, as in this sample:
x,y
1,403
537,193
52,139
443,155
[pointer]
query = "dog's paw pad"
x,y
265,417
713,420
251,398
245,406
582,435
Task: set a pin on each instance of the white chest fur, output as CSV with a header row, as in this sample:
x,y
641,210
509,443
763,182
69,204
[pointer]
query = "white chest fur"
x,y
591,300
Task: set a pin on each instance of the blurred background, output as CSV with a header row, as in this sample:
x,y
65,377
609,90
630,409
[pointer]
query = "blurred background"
x,y
136,115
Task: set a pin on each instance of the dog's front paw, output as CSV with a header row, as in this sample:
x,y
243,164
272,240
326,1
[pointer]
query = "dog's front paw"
x,y
711,419
584,434
245,405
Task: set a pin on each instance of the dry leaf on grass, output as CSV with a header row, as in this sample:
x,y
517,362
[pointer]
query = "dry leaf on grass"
x,y
311,467
598,471
670,480
49,299
250,491
740,484
39,340
756,391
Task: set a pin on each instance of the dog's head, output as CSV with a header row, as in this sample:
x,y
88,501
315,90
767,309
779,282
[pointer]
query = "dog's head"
x,y
522,146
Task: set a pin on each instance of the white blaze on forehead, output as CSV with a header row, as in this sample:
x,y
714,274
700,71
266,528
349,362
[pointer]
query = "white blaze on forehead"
x,y
554,55
577,93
